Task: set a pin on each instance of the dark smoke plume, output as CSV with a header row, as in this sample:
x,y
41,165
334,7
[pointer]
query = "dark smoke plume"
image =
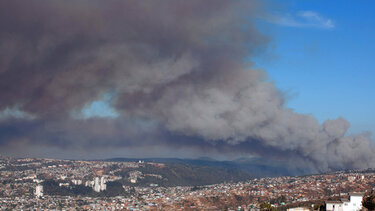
x,y
179,75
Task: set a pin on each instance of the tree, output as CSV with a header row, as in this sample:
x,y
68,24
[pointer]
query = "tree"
x,y
369,201
266,207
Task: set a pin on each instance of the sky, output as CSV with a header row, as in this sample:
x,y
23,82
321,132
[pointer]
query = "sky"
x,y
324,65
279,80
327,68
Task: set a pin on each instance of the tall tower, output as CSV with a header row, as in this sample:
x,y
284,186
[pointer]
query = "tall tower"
x,y
38,191
97,184
103,186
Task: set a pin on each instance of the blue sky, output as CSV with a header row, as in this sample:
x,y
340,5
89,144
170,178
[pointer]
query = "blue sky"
x,y
100,108
322,56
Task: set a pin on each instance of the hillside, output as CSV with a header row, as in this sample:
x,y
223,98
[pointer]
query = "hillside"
x,y
207,171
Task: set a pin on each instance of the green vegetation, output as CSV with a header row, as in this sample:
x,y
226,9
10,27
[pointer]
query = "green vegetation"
x,y
178,174
51,187
369,201
265,206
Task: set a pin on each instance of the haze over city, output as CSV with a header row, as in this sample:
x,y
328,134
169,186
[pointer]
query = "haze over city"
x,y
289,81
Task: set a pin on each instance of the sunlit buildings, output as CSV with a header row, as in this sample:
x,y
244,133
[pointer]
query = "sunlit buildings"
x,y
99,184
38,191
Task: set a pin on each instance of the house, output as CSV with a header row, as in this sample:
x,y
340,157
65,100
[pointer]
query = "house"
x,y
353,203
299,209
334,206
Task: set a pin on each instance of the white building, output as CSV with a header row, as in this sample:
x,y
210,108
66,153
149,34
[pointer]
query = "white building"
x,y
103,186
66,184
90,183
99,185
96,185
299,209
38,191
334,206
354,203
133,180
77,182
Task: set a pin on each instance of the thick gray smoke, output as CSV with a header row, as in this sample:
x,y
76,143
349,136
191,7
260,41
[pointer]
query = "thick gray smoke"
x,y
179,74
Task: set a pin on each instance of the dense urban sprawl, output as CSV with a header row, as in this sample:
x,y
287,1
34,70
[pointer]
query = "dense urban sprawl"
x,y
31,183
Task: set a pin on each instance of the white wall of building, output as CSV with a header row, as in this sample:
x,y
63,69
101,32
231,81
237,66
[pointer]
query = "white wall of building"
x,y
354,204
299,209
333,206
39,191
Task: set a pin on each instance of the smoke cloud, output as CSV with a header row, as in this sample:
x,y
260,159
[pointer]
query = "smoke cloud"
x,y
179,75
